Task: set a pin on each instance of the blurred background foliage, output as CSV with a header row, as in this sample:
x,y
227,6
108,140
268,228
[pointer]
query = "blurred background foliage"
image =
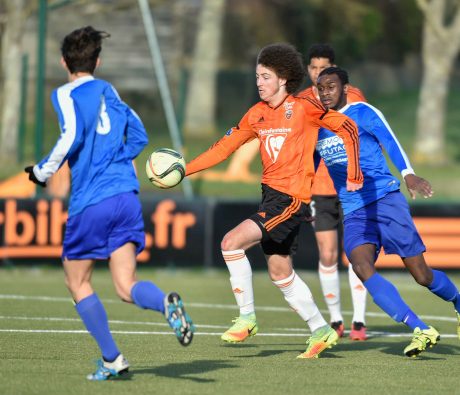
x,y
379,42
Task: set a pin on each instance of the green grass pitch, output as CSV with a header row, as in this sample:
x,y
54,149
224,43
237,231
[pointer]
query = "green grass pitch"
x,y
44,348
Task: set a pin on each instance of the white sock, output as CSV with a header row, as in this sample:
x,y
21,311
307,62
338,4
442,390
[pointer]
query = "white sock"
x,y
358,296
240,279
300,299
330,284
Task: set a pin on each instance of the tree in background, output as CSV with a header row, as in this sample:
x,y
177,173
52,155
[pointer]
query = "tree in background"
x,y
13,17
441,45
202,91
360,31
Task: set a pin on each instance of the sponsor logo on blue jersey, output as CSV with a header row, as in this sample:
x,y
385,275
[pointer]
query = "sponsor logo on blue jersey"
x,y
331,149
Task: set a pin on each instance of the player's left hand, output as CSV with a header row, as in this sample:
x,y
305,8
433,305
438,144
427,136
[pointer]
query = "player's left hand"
x,y
33,178
354,186
418,184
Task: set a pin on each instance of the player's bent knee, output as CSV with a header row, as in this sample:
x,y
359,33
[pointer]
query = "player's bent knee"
x,y
124,292
228,244
328,259
280,276
67,282
424,280
125,297
78,289
74,284
363,269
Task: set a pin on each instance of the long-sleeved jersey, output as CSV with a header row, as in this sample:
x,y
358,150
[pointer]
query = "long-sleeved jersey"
x,y
287,136
374,132
100,136
323,185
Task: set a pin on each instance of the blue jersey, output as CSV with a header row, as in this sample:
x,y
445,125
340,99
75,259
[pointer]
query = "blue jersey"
x,y
374,133
100,137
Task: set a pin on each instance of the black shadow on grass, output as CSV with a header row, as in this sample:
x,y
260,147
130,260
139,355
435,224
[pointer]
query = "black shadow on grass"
x,y
186,370
396,328
239,345
294,343
397,348
431,354
438,351
263,353
371,344
123,377
292,350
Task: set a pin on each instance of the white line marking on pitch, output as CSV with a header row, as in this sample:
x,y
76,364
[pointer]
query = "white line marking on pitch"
x,y
71,331
78,320
303,332
216,306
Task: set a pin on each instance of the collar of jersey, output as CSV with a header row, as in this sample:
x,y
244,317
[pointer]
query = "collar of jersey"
x,y
82,80
274,108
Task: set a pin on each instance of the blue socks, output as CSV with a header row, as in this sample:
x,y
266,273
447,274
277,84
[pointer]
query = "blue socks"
x,y
443,287
412,321
94,317
147,295
387,297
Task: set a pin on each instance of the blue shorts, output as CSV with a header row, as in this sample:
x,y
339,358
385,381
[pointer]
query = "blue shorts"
x,y
102,228
386,223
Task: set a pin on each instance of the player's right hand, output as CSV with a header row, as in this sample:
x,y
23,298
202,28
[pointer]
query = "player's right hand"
x,y
354,186
33,178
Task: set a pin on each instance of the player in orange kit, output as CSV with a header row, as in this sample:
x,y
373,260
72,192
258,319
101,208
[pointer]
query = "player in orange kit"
x,y
327,212
287,129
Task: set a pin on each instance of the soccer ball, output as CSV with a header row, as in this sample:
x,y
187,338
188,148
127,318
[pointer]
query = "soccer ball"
x,y
165,168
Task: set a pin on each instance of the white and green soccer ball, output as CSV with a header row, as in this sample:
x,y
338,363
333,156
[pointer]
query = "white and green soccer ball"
x,y
165,168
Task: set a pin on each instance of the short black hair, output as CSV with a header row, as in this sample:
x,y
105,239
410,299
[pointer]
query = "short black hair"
x,y
321,51
341,73
286,62
81,48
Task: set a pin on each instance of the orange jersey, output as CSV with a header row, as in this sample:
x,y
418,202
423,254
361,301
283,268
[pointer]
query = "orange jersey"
x,y
323,184
287,138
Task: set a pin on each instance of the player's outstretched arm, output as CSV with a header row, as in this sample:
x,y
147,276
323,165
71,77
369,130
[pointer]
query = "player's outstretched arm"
x,y
418,184
219,151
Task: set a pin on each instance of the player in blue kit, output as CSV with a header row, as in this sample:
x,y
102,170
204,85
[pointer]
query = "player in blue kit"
x,y
378,215
100,137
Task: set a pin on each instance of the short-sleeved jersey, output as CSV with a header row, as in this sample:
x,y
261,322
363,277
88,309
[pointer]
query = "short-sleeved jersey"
x,y
322,184
100,136
374,132
287,135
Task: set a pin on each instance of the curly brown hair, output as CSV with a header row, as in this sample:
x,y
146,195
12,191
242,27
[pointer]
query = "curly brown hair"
x,y
286,62
81,48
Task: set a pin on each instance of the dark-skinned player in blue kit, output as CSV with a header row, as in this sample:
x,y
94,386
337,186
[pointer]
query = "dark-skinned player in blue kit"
x,y
378,215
